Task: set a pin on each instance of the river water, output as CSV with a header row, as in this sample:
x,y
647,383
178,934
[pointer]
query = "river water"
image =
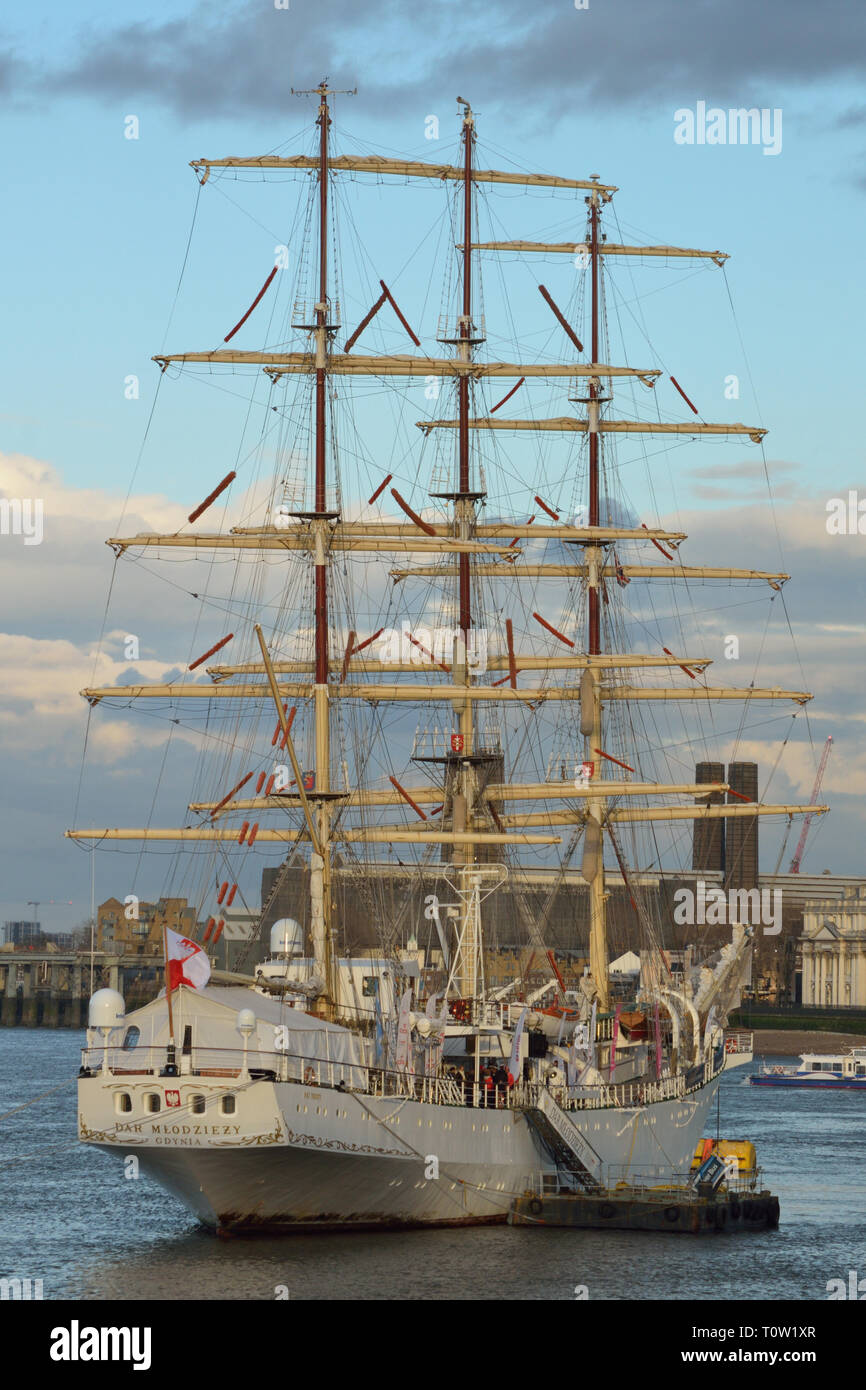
x,y
70,1218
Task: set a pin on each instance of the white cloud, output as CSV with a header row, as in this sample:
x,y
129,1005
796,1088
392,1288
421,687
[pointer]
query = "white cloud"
x,y
41,709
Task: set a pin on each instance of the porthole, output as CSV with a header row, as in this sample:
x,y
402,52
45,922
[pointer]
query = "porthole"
x,y
152,1103
198,1105
123,1102
227,1105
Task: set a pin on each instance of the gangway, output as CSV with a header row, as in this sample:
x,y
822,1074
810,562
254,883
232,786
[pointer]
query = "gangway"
x,y
562,1139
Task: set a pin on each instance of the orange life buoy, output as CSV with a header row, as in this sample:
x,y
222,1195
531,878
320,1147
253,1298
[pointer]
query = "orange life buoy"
x,y
309,1076
731,1045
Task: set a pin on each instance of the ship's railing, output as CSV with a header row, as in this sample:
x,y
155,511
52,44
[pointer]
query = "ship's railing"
x,y
232,1063
739,1042
435,1090
630,1095
228,1063
653,1184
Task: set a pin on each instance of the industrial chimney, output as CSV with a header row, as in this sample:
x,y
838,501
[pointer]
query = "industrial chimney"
x,y
741,856
708,843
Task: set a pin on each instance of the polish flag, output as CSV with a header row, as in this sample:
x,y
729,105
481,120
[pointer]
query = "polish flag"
x,y
187,963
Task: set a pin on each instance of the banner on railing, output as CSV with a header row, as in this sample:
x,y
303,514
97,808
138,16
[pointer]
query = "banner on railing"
x,y
401,1058
514,1059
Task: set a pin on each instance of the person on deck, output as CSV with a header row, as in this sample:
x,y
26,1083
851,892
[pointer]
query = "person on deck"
x,y
488,1085
500,1078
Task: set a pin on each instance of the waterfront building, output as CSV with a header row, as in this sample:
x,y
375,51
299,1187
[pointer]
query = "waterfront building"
x,y
834,950
22,933
135,928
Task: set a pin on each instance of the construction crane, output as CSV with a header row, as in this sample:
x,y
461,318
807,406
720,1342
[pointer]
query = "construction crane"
x,y
801,844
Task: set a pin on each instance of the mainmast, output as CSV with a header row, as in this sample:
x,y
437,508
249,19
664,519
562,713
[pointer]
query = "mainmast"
x,y
466,781
463,502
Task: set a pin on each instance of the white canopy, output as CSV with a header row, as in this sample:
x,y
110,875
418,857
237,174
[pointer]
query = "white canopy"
x,y
626,964
316,1049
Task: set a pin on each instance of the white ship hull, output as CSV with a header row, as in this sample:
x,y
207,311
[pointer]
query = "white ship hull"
x,y
293,1157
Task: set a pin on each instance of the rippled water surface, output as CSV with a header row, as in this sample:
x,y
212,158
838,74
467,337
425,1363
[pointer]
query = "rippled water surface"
x,y
69,1217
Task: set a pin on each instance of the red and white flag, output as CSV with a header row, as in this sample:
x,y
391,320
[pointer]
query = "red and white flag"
x,y
186,963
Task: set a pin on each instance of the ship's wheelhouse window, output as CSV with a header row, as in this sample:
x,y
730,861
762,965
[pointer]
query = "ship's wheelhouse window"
x,y
198,1105
130,1038
123,1102
152,1103
227,1105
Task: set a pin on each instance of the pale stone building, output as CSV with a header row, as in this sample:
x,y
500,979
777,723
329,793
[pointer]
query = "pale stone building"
x,y
834,950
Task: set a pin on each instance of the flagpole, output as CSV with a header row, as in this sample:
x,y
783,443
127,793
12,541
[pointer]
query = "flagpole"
x,y
170,1068
167,983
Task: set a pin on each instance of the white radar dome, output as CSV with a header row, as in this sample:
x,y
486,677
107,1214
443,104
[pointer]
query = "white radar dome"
x,y
106,1009
287,938
246,1022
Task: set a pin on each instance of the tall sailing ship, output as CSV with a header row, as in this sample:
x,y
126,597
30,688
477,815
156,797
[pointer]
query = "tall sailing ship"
x,y
327,1089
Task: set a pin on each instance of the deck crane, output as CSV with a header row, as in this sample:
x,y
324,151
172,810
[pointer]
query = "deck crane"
x,y
801,844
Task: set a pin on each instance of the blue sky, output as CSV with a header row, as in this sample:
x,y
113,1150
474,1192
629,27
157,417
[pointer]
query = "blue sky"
x,y
98,232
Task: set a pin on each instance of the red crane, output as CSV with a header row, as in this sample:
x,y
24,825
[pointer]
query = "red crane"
x,y
801,844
